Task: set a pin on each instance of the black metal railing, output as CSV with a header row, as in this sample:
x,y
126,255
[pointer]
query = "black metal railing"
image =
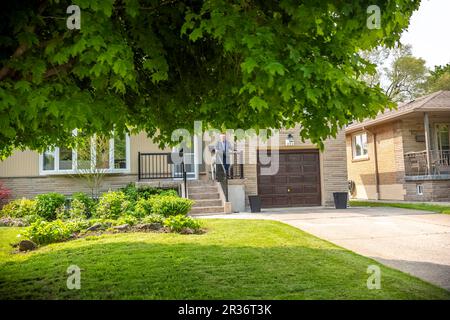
x,y
233,170
155,166
221,177
159,165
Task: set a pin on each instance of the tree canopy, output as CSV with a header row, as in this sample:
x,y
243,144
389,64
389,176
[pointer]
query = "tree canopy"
x,y
401,75
439,79
159,65
407,77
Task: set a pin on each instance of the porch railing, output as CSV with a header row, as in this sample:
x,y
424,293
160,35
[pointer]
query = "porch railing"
x,y
158,165
235,171
222,178
416,163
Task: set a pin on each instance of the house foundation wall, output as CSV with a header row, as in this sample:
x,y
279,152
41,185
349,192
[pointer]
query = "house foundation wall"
x,y
434,190
29,187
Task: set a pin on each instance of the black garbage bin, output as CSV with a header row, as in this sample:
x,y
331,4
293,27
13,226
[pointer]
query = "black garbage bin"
x,y
255,203
340,200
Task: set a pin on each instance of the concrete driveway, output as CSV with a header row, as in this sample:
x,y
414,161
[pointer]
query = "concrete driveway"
x,y
416,242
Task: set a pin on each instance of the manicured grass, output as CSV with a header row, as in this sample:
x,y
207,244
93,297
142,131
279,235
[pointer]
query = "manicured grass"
x,y
235,259
417,206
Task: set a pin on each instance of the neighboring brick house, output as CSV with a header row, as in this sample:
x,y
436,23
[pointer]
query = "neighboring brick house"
x,y
307,177
411,157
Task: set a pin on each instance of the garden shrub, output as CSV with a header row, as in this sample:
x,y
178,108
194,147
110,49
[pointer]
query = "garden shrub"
x,y
44,232
168,192
77,225
49,205
169,205
127,219
148,192
32,218
131,192
105,222
143,208
19,208
77,209
134,193
112,205
153,218
179,222
88,202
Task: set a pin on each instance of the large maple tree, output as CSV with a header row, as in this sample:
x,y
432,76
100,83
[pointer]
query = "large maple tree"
x,y
159,65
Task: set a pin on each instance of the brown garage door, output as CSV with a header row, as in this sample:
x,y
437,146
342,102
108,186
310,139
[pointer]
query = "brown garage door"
x,y
297,182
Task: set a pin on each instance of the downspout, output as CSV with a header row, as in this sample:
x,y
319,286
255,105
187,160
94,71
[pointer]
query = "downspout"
x,y
375,158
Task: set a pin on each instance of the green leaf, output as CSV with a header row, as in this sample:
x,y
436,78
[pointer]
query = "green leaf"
x,y
275,68
119,86
258,103
196,34
248,65
22,86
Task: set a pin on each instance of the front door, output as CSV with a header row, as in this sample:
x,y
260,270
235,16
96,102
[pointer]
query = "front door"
x,y
442,154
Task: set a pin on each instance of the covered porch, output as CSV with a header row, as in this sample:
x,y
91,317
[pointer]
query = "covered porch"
x,y
428,156
434,163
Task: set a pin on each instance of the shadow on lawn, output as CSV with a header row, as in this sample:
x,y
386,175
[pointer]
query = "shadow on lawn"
x,y
142,270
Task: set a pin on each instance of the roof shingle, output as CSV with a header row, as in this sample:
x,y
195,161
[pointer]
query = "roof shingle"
x,y
436,101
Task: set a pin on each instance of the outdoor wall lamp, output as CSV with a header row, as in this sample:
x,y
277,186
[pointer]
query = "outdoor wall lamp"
x,y
290,139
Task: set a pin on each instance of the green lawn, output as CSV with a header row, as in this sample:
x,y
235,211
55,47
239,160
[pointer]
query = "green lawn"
x,y
235,259
417,206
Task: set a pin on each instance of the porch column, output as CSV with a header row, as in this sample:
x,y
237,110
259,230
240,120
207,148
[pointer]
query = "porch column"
x,y
426,127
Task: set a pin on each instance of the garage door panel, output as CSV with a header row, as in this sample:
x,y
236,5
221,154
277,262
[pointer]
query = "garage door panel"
x,y
266,201
312,157
293,168
297,201
297,182
310,168
265,180
266,189
280,189
296,189
295,179
280,201
309,179
310,189
293,158
279,179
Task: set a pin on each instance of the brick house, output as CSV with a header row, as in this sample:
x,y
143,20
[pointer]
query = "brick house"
x,y
410,159
306,176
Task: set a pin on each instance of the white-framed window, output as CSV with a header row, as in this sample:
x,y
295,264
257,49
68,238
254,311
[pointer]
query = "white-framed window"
x,y
359,146
111,155
419,189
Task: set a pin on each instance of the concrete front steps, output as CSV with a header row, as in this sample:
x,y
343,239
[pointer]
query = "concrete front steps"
x,y
206,196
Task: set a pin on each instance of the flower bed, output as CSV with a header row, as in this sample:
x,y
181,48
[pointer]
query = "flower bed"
x,y
50,219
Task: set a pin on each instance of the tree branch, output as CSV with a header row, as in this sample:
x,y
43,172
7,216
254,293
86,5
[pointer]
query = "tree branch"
x,y
22,48
56,70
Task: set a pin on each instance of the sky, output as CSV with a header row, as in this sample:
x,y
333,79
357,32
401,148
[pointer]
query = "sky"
x,y
429,32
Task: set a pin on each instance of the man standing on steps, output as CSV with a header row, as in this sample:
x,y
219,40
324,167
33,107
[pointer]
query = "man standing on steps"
x,y
223,153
